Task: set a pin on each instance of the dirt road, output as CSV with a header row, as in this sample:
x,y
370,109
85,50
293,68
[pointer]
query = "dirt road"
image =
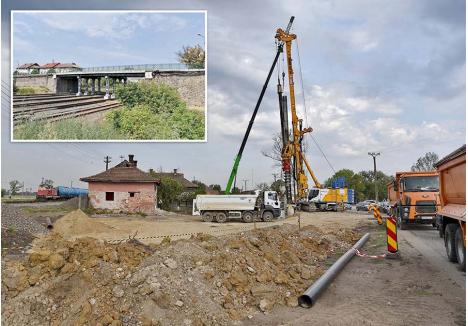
x,y
421,288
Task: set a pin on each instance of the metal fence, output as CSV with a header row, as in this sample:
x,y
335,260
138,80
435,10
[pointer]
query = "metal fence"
x,y
145,67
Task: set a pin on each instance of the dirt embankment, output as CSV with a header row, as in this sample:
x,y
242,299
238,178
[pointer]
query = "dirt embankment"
x,y
205,280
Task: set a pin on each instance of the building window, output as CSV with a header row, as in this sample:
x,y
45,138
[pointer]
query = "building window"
x,y
132,194
109,196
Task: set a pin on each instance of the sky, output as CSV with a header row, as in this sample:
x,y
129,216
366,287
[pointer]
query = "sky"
x,y
93,39
387,76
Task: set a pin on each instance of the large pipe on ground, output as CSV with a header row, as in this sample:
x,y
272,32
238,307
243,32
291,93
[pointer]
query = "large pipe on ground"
x,y
311,295
50,226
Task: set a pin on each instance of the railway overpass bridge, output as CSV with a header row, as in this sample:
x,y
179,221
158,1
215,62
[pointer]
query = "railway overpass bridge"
x,y
90,81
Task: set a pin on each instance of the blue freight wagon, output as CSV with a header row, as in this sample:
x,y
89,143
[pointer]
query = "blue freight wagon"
x,y
68,192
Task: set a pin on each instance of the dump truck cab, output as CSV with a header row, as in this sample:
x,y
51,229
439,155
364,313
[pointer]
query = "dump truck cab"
x,y
414,198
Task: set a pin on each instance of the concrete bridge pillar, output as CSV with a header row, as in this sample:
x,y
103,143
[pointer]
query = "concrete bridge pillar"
x,y
93,85
113,87
86,86
107,96
99,85
79,86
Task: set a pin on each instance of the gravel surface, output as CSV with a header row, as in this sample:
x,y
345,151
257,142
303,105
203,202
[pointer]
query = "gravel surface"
x,y
13,217
18,230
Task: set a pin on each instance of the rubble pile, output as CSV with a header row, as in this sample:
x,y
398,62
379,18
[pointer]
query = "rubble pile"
x,y
205,280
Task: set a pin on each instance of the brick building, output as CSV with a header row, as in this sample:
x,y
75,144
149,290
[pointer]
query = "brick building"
x,y
123,188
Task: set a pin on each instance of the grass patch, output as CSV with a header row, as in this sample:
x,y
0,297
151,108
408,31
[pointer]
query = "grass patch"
x,y
30,90
48,209
11,229
19,199
70,129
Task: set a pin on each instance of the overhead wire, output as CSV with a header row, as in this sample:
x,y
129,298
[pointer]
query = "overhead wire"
x,y
305,109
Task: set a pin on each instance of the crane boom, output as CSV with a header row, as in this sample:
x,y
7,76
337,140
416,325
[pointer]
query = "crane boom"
x,y
254,114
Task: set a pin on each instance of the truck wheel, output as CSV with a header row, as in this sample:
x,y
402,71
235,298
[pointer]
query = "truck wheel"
x,y
221,217
449,239
461,250
247,217
267,216
207,217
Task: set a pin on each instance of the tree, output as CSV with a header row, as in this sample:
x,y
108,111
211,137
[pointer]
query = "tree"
x,y
216,187
201,189
277,186
263,186
47,183
4,192
193,56
276,149
15,186
369,185
35,71
169,190
426,162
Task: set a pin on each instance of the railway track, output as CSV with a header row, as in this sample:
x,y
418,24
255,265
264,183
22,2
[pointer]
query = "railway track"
x,y
53,100
59,107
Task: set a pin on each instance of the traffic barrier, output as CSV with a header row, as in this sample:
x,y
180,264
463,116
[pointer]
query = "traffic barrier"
x,y
392,240
376,210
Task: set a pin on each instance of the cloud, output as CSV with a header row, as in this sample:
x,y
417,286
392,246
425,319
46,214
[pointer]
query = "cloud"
x,y
110,25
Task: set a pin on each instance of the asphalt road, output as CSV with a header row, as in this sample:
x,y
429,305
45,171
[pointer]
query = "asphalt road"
x,y
425,239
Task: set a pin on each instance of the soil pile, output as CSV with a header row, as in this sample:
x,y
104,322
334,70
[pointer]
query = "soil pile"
x,y
201,281
78,223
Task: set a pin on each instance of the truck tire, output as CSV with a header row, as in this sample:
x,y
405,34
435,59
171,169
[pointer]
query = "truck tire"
x,y
221,217
247,217
207,217
267,216
449,239
461,250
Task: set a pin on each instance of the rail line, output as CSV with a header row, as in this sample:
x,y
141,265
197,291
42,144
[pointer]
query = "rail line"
x,y
58,106
53,100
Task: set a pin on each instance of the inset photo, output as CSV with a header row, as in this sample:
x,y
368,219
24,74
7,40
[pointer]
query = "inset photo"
x,y
108,75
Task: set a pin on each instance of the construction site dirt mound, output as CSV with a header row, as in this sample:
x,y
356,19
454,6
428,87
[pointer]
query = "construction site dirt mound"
x,y
77,222
204,280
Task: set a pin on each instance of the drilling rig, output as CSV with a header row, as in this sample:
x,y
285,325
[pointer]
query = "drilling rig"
x,y
293,158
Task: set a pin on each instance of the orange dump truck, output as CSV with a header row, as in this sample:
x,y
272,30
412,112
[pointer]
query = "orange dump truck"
x,y
414,198
451,217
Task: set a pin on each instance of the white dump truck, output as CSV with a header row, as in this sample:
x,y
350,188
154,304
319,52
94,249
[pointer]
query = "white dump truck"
x,y
219,208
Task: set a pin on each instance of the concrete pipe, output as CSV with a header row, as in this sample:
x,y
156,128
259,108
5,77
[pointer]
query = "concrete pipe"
x,y
311,295
50,226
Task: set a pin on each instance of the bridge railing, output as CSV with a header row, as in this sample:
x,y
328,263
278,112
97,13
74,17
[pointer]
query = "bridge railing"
x,y
144,67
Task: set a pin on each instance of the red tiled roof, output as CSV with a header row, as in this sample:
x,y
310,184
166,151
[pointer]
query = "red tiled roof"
x,y
122,172
68,65
50,65
28,65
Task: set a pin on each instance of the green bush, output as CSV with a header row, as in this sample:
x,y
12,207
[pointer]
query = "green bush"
x,y
160,98
140,122
30,90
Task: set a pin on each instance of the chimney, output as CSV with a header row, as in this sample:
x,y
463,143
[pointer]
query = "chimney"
x,y
134,163
130,157
175,171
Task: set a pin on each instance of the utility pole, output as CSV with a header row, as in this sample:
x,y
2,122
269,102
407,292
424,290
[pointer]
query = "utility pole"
x,y
107,160
374,155
245,184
